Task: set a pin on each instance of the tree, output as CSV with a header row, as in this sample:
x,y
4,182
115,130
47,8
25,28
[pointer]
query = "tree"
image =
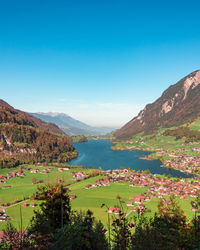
x,y
53,214
166,230
83,232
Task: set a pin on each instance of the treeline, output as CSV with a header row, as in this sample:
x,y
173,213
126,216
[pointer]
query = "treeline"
x,y
9,115
183,133
56,226
25,144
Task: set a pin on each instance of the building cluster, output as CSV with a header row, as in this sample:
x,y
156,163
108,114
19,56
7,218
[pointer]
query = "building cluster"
x,y
99,183
158,185
80,175
36,170
115,210
11,175
32,204
183,161
63,169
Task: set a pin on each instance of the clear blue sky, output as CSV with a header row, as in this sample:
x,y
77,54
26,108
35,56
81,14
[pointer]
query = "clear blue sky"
x,y
98,61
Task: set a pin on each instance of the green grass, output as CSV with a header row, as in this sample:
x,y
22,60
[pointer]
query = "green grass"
x,y
195,125
26,212
93,199
23,187
151,143
157,142
86,198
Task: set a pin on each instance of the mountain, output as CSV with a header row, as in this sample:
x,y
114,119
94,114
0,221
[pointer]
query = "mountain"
x,y
26,139
179,104
9,114
72,126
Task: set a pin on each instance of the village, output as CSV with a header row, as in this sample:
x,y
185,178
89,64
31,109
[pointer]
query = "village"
x,y
156,186
159,187
181,160
185,159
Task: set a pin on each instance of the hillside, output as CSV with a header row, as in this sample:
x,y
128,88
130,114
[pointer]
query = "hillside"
x,y
72,126
25,139
179,104
9,114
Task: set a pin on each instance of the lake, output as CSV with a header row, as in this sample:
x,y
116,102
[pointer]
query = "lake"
x,y
97,153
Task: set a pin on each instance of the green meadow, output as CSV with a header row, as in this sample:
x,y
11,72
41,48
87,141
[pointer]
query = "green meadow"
x,y
195,125
158,141
86,198
22,187
93,198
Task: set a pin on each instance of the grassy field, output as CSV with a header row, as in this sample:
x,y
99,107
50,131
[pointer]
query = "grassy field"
x,y
95,197
159,142
195,125
22,186
26,213
86,198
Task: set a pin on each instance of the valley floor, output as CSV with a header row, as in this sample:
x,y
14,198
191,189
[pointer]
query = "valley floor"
x,y
90,188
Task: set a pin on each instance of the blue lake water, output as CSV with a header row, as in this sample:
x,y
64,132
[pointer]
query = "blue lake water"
x,y
98,153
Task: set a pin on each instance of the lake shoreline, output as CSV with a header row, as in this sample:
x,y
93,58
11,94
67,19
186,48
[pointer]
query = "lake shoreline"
x,y
100,153
150,157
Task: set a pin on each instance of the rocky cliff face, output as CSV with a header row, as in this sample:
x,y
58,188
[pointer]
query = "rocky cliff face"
x,y
179,104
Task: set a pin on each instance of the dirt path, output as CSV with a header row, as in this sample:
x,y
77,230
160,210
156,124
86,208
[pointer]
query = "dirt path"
x,y
3,208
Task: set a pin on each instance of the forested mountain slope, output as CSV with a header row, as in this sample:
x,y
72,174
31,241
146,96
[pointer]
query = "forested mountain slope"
x,y
25,139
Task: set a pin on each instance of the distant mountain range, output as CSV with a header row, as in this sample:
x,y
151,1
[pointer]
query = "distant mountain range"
x,y
179,104
27,139
72,126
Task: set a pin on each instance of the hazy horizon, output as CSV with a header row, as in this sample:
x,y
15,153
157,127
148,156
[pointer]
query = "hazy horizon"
x,y
61,113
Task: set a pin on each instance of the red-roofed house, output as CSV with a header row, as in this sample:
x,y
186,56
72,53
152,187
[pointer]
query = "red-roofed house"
x,y
129,204
116,210
110,210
